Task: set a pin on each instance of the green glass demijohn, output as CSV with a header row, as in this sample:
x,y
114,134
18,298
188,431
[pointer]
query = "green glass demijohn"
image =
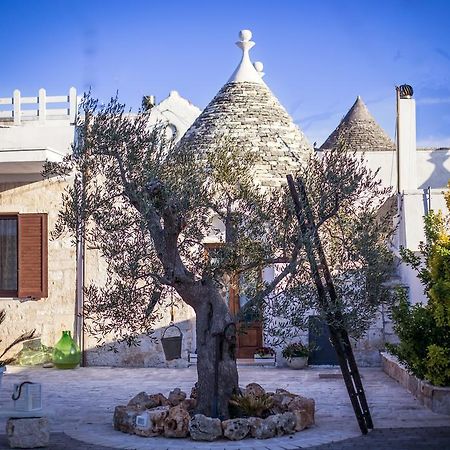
x,y
66,354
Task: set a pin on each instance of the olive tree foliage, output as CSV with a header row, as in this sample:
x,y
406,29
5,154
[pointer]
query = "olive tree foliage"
x,y
355,219
147,206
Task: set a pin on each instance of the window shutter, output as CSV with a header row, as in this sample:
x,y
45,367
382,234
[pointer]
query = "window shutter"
x,y
33,255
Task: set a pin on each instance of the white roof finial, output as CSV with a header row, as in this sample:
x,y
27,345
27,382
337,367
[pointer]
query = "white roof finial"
x,y
245,36
259,66
245,70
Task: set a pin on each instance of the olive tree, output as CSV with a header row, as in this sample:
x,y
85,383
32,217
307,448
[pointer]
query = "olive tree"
x,y
148,205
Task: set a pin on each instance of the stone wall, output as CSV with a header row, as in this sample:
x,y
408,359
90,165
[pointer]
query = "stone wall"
x,y
55,313
49,315
433,397
367,349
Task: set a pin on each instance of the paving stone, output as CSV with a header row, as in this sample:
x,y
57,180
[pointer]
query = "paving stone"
x,y
85,410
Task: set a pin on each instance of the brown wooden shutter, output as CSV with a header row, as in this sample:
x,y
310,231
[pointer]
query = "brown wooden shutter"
x,y
33,255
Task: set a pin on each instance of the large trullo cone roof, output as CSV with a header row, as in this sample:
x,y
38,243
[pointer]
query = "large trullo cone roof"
x,y
358,131
246,111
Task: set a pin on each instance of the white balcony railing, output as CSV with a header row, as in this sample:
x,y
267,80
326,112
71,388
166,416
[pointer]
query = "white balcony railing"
x,y
41,112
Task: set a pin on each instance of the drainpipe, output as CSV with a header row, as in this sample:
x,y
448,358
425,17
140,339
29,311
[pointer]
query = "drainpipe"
x,y
80,273
80,257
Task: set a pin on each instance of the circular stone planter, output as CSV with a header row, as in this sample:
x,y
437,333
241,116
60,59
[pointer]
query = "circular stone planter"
x,y
150,415
299,362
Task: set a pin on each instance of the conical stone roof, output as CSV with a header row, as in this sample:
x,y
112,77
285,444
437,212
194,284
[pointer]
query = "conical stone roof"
x,y
246,111
359,132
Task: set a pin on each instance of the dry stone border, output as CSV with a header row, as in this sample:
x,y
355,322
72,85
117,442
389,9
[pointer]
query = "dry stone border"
x,y
150,415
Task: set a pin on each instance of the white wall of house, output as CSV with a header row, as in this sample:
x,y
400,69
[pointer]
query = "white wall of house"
x,y
424,176
30,136
432,170
432,167
25,144
177,111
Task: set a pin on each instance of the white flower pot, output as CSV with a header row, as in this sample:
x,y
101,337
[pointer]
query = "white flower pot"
x,y
299,362
270,361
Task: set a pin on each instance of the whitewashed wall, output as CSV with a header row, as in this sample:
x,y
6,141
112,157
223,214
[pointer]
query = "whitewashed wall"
x,y
432,166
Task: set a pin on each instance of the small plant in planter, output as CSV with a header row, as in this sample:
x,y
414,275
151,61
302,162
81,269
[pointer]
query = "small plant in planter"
x,y
296,355
251,405
265,352
23,337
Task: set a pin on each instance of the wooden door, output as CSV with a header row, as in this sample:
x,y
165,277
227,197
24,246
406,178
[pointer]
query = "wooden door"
x,y
249,337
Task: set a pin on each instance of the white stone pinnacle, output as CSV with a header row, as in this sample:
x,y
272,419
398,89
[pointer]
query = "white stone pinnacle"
x,y
245,35
245,70
259,66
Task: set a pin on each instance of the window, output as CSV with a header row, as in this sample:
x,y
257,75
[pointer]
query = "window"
x,y
23,255
8,255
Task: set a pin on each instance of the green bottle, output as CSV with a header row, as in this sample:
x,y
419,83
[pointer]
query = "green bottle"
x,y
66,354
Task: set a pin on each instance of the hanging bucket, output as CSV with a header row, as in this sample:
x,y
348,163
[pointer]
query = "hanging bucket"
x,y
172,345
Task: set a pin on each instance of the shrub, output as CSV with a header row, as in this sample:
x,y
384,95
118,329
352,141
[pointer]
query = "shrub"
x,y
251,405
418,331
438,365
295,350
424,330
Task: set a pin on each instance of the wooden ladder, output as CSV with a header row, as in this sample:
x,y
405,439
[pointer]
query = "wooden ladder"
x,y
328,301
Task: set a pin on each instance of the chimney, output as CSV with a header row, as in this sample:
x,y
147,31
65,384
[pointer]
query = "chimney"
x,y
148,102
406,139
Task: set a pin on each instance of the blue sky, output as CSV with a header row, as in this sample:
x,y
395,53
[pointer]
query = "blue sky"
x,y
318,56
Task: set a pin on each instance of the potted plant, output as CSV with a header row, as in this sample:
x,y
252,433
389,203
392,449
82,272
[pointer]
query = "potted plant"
x,y
264,355
296,355
23,337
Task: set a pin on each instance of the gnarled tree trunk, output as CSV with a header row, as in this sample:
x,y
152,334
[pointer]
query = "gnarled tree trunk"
x,y
216,352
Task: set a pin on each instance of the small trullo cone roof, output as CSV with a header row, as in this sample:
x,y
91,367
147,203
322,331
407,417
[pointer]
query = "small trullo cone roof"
x,y
359,131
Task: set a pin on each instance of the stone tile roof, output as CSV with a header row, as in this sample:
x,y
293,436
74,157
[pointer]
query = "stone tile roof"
x,y
359,132
246,111
252,116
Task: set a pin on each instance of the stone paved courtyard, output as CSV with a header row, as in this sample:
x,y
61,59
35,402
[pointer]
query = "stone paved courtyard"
x,y
80,403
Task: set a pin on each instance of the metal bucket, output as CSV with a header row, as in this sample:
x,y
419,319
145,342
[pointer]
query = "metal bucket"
x,y
172,345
